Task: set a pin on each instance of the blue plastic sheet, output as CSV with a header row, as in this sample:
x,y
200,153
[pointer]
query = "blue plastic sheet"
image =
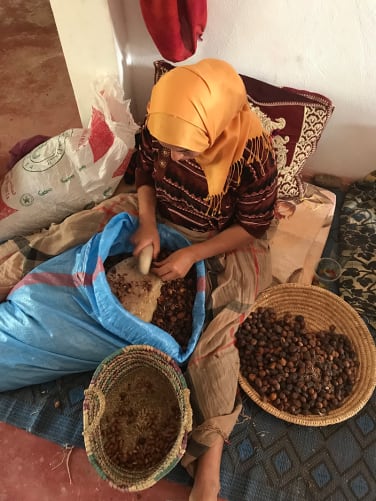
x,y
62,317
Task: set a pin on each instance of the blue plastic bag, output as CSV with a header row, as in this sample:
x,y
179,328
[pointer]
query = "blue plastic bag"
x,y
62,317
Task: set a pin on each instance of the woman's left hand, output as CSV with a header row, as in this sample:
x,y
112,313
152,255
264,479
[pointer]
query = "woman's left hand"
x,y
176,265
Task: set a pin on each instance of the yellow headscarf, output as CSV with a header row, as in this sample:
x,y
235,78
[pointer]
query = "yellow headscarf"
x,y
203,107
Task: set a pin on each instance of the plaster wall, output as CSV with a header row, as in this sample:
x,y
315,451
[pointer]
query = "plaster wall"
x,y
86,33
325,47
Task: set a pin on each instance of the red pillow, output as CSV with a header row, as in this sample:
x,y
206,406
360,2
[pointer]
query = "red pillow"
x,y
295,118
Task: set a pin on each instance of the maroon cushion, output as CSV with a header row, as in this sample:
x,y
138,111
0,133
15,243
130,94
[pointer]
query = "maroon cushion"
x,y
295,118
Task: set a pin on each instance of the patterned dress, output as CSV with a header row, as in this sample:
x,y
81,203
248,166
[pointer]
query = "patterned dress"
x,y
182,191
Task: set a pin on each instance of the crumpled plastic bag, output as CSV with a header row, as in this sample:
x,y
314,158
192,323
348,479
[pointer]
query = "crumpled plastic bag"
x,y
62,317
71,171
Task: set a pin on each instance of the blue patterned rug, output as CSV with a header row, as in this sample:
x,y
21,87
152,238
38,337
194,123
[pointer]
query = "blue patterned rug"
x,y
270,459
266,459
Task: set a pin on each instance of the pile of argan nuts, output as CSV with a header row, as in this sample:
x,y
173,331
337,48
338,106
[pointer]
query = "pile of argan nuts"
x,y
296,371
175,304
154,432
174,308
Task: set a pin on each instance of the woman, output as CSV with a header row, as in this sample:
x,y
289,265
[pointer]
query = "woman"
x,y
206,167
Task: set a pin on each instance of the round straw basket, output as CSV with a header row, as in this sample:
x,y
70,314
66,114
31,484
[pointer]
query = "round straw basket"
x,y
321,308
136,403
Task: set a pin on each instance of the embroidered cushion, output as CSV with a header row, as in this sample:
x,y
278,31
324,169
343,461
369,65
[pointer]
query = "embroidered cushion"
x,y
295,119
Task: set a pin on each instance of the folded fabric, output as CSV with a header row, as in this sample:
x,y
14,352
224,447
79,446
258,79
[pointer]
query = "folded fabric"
x,y
22,254
357,248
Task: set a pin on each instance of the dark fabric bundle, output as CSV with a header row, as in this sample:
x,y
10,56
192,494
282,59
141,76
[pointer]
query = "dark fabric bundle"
x,y
175,25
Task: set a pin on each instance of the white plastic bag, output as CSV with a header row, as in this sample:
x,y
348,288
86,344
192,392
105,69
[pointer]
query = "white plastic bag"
x,y
71,171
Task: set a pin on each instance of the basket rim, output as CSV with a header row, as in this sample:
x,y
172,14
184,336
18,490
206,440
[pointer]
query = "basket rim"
x,y
360,336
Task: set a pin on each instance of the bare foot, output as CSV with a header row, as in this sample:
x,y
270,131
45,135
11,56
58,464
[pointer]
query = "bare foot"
x,y
206,485
205,492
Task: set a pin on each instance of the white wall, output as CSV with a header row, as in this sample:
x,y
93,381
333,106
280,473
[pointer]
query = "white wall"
x,y
87,38
322,46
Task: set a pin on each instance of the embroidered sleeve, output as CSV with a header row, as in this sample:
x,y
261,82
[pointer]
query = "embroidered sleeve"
x,y
257,196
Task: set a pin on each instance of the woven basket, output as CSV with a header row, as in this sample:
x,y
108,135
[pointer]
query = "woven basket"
x,y
321,308
119,376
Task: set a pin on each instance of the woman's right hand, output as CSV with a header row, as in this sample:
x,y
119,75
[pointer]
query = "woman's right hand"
x,y
146,234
